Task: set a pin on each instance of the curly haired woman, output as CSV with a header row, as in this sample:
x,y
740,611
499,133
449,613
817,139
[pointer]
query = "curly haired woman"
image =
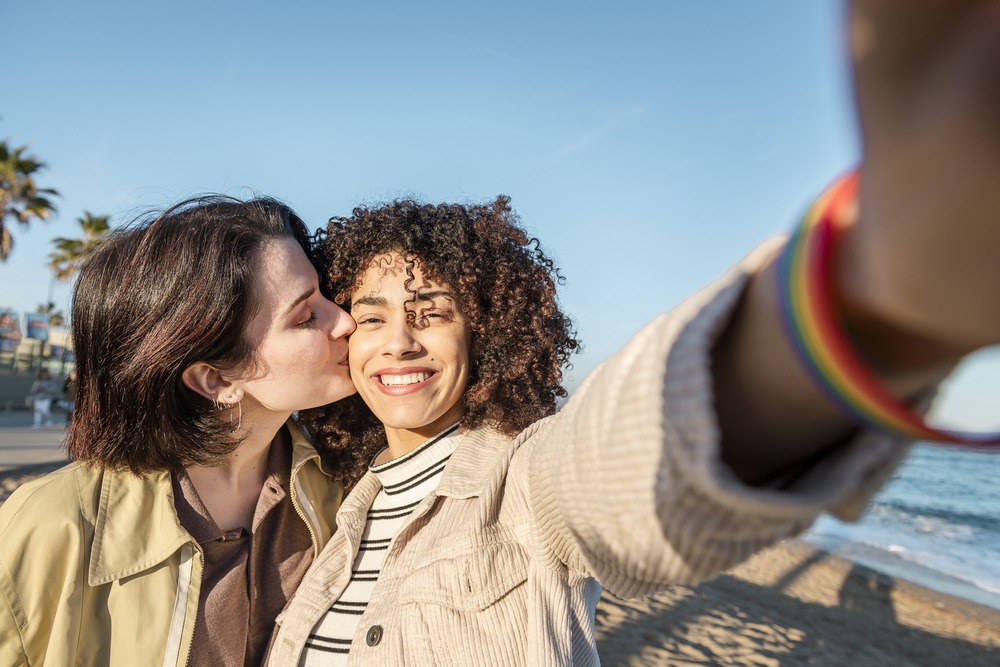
x,y
482,529
470,541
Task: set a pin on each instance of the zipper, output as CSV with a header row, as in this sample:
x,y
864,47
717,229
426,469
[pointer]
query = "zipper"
x,y
296,503
201,554
184,582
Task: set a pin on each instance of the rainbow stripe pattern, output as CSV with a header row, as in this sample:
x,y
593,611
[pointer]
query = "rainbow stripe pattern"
x,y
805,296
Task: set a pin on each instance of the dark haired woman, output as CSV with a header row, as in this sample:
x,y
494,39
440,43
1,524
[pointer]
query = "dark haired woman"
x,y
472,542
194,506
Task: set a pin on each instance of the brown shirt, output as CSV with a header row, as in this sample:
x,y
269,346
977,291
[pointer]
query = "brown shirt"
x,y
248,575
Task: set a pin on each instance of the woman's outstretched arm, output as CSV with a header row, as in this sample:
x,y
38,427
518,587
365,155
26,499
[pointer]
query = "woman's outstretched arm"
x,y
916,276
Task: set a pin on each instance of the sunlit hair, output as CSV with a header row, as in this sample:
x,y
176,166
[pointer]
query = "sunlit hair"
x,y
166,291
505,287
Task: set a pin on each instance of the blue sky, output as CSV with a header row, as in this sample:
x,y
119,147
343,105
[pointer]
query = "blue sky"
x,y
647,144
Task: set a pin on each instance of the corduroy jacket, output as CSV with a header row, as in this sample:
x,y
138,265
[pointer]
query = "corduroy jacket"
x,y
95,568
624,488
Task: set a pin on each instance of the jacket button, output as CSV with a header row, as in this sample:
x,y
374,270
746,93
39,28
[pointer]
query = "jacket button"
x,y
374,635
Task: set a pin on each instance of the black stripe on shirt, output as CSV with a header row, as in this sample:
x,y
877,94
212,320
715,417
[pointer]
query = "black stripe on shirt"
x,y
345,644
401,459
419,479
374,545
354,608
377,514
387,517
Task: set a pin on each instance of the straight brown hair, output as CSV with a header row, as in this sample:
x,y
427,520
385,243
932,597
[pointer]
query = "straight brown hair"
x,y
168,290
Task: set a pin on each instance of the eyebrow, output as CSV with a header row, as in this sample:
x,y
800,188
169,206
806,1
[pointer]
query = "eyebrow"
x,y
371,300
302,297
433,294
381,302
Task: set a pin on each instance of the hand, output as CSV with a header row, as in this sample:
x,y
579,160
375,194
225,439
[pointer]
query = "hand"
x,y
919,274
925,255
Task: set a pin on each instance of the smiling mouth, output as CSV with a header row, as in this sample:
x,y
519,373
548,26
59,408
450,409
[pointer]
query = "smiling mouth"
x,y
403,380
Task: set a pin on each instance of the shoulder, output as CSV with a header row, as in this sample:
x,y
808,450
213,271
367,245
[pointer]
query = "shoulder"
x,y
43,510
46,533
488,437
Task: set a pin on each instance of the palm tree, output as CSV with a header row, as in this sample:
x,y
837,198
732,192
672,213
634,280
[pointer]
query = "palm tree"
x,y
20,197
65,259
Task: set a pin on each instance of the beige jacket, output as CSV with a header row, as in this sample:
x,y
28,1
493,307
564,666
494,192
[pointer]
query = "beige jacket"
x,y
95,568
503,564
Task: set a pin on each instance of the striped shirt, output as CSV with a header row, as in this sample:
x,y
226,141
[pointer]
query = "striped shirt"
x,y
405,482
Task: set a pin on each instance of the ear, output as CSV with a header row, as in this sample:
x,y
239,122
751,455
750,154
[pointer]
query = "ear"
x,y
210,383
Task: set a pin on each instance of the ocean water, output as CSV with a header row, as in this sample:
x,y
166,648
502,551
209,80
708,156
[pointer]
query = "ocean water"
x,y
936,523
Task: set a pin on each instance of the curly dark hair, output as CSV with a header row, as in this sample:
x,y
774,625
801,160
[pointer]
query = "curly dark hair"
x,y
505,286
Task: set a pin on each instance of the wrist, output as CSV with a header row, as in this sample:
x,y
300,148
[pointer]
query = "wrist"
x,y
861,359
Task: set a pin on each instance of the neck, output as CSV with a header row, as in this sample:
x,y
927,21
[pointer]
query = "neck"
x,y
230,488
403,441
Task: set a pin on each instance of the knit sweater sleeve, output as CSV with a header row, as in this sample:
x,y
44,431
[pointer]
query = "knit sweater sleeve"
x,y
626,482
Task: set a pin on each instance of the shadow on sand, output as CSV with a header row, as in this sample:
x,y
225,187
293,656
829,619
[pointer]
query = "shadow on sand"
x,y
729,621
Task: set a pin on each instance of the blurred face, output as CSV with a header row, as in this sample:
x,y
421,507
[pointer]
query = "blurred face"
x,y
412,375
300,336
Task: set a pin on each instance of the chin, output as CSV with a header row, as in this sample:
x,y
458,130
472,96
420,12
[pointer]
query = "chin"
x,y
406,424
340,393
331,397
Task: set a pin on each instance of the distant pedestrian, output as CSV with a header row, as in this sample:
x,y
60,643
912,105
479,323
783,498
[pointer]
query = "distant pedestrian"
x,y
43,390
69,394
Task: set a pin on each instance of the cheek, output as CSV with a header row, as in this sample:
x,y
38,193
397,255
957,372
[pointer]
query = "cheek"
x,y
463,362
289,357
355,360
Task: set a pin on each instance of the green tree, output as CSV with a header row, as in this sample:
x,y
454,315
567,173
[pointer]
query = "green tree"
x,y
65,259
20,197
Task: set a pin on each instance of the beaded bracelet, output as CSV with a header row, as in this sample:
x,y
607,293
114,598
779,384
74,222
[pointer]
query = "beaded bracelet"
x,y
805,296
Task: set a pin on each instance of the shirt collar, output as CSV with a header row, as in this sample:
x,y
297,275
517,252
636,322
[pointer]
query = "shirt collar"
x,y
137,527
429,453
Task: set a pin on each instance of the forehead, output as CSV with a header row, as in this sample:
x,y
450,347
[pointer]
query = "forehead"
x,y
284,273
283,269
388,273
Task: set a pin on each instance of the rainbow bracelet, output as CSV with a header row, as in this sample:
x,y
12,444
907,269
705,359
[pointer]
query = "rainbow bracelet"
x,y
805,295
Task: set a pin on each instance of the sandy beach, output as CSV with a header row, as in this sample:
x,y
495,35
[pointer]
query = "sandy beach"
x,y
795,605
791,605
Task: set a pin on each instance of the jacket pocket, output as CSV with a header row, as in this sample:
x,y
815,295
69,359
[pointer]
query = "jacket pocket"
x,y
470,581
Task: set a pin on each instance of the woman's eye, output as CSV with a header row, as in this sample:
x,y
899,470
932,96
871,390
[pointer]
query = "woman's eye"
x,y
308,322
367,319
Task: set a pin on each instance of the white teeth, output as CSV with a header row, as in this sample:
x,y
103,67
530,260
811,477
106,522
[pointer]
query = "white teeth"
x,y
409,378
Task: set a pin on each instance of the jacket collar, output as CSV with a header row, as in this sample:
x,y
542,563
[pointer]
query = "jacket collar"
x,y
302,450
137,527
473,464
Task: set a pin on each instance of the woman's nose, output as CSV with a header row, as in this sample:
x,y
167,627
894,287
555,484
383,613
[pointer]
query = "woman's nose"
x,y
400,340
343,323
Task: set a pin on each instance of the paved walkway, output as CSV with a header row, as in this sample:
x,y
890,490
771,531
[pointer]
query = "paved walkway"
x,y
21,445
